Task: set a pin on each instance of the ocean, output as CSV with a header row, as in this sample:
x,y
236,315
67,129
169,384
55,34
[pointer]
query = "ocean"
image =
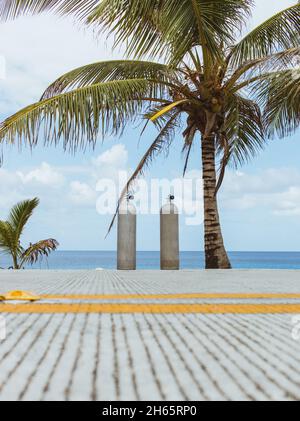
x,y
150,260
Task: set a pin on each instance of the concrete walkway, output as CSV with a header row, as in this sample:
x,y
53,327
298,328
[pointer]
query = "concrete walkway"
x,y
150,335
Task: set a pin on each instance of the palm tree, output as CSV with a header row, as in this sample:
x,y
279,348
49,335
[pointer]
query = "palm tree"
x,y
12,230
233,93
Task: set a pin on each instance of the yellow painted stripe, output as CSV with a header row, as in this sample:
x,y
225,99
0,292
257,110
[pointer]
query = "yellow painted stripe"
x,y
167,296
152,308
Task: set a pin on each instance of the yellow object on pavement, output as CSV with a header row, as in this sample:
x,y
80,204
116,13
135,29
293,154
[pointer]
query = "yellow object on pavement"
x,y
21,296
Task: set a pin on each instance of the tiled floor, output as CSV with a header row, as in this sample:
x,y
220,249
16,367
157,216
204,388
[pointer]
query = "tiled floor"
x,y
144,355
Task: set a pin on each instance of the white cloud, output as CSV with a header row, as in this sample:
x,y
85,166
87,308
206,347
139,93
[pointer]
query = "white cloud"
x,y
2,67
7,179
44,174
110,163
65,184
276,189
44,181
82,194
117,157
34,61
288,202
108,167
10,191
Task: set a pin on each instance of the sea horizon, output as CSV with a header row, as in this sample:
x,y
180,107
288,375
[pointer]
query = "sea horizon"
x,y
107,259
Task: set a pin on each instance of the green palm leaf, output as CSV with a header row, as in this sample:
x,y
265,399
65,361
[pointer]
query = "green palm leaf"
x,y
6,237
280,32
10,9
279,95
19,216
171,27
12,229
11,232
243,129
77,116
261,66
108,71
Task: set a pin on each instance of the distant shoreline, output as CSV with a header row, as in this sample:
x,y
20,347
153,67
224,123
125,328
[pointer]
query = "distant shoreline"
x,y
73,260
183,251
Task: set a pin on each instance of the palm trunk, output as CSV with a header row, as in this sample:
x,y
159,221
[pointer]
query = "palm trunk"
x,y
15,262
215,253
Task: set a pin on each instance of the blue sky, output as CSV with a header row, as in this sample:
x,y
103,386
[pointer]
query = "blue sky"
x,y
260,203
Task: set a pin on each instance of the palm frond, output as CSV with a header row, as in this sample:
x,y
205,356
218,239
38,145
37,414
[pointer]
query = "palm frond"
x,y
258,67
166,109
107,71
11,9
6,237
171,27
280,32
9,243
19,216
244,130
78,116
279,95
36,252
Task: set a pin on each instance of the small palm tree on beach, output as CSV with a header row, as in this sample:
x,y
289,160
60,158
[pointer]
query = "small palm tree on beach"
x,y
12,230
203,78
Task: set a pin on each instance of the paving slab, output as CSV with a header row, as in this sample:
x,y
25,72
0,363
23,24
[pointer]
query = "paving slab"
x,y
170,354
